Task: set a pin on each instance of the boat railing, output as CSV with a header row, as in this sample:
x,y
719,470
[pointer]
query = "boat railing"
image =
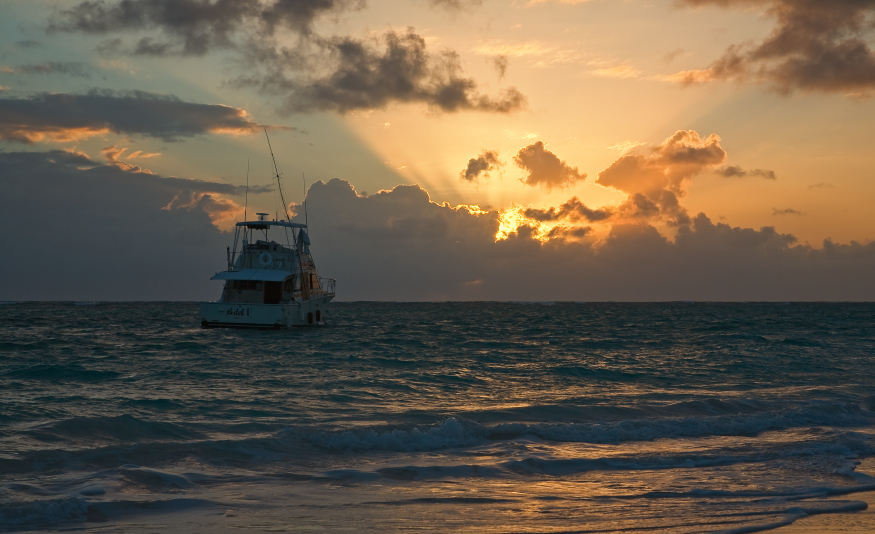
x,y
326,285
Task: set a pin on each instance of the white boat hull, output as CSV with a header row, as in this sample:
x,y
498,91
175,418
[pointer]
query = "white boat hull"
x,y
230,315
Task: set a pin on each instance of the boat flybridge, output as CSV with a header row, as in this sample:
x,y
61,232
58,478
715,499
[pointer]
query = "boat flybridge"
x,y
268,284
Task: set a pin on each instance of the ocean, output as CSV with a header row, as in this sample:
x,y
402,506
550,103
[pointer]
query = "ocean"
x,y
436,417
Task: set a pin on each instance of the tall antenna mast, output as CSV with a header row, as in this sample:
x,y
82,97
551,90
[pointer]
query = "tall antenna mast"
x,y
279,183
246,205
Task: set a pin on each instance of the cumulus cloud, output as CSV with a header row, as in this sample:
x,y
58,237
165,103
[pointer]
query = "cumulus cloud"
x,y
734,171
816,45
668,166
125,235
655,180
193,27
544,168
404,238
349,73
574,209
482,165
67,117
310,73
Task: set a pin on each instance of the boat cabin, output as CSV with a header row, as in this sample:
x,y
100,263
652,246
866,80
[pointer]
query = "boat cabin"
x,y
263,271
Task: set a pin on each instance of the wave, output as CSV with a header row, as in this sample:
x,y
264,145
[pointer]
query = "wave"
x,y
43,512
29,515
849,446
453,432
121,428
840,415
112,440
450,433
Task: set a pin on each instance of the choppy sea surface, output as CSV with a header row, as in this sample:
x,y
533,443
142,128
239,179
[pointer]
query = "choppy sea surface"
x,y
445,417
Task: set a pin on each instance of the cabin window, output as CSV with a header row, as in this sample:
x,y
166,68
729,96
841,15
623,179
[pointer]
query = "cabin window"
x,y
246,285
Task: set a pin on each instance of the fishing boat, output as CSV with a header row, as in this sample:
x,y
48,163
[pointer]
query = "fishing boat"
x,y
269,284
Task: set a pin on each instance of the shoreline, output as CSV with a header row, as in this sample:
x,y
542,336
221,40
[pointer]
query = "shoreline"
x,y
862,520
858,521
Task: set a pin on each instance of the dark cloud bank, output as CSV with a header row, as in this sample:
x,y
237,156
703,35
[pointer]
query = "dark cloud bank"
x,y
316,73
409,248
70,116
816,45
80,230
115,234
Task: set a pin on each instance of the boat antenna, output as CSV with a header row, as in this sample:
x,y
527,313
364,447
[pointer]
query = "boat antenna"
x,y
279,183
306,219
246,205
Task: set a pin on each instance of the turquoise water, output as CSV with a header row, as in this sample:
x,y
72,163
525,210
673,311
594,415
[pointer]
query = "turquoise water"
x,y
491,417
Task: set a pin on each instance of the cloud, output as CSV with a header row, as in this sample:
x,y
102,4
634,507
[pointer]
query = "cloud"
x,y
481,165
123,235
455,5
310,73
545,169
500,64
655,180
673,55
357,74
626,146
68,117
542,55
411,248
816,45
607,70
668,166
69,68
194,27
574,209
734,171
119,234
495,47
112,155
787,211
820,185
563,232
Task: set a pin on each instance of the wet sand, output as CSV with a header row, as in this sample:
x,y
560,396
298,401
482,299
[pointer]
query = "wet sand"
x,y
862,521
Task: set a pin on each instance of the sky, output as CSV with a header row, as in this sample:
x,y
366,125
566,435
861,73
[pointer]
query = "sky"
x,y
529,150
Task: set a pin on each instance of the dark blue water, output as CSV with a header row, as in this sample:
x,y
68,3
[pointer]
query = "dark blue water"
x,y
499,417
